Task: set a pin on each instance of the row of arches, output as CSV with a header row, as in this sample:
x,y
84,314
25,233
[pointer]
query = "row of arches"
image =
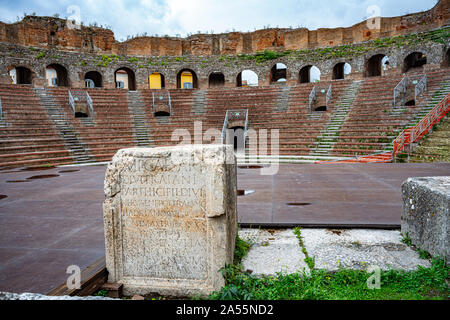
x,y
57,75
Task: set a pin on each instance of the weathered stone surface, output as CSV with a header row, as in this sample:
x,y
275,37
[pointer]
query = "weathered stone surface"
x,y
425,215
170,218
359,249
273,252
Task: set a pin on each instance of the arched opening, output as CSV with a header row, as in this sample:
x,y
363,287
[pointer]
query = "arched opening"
x,y
321,109
80,114
57,76
410,103
21,75
125,79
309,74
278,73
156,81
340,70
413,61
376,64
93,79
187,79
216,79
247,78
162,114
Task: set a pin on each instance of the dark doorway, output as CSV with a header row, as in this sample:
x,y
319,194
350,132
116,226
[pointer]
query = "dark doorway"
x,y
96,79
321,108
23,75
216,79
338,71
278,73
374,65
305,74
162,114
410,103
62,76
235,136
413,61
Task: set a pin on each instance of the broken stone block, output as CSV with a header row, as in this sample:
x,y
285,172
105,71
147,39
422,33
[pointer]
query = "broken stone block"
x,y
425,215
170,218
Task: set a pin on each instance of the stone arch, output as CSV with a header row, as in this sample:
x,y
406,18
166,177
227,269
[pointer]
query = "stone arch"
x,y
94,76
187,79
376,64
340,70
309,74
216,79
125,78
414,60
278,73
21,74
156,80
447,58
57,75
247,78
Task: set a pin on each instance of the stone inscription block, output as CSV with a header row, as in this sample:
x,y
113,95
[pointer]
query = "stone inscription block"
x,y
170,218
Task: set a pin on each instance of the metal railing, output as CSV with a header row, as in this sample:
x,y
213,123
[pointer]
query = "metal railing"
x,y
421,87
1,109
312,97
224,128
329,95
232,115
399,89
72,102
90,104
414,134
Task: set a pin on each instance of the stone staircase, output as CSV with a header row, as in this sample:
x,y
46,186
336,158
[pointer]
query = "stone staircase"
x,y
200,103
283,100
325,142
68,133
136,107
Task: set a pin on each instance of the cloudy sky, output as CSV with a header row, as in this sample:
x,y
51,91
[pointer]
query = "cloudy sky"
x,y
183,17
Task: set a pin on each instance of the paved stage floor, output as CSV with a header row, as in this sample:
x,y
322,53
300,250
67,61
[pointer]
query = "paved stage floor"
x,y
49,223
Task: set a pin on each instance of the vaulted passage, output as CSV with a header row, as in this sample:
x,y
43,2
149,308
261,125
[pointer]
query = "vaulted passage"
x,y
125,79
57,76
340,70
156,81
187,79
278,73
247,78
216,79
21,75
309,74
376,64
414,60
93,79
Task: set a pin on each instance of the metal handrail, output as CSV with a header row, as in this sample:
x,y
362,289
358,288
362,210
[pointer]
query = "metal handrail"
x,y
245,129
224,128
1,109
170,103
329,95
415,133
72,102
421,87
400,88
90,104
312,97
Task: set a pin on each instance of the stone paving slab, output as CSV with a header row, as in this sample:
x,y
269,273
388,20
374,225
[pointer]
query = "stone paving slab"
x,y
278,251
272,251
